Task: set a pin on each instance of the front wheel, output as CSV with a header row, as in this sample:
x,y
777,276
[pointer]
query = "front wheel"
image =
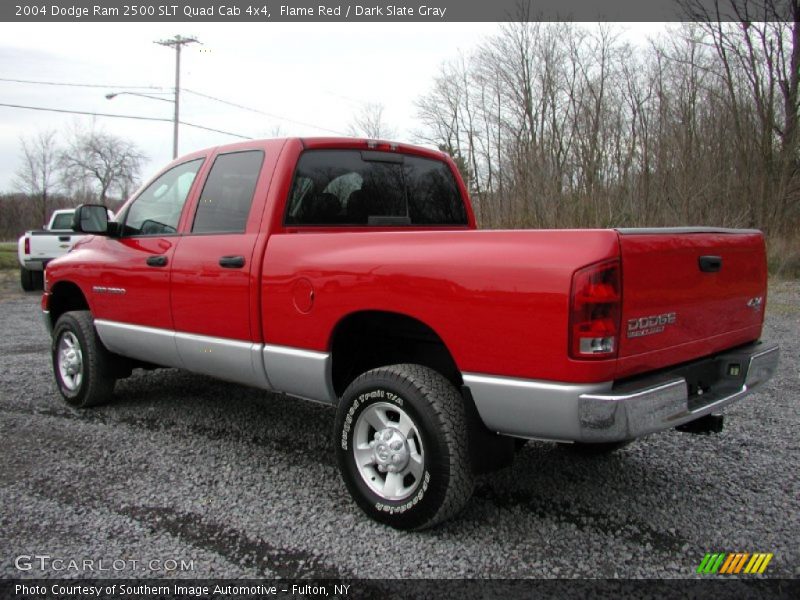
x,y
82,366
401,444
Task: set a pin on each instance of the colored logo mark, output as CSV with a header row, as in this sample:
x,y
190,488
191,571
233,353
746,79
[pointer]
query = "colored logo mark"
x,y
734,563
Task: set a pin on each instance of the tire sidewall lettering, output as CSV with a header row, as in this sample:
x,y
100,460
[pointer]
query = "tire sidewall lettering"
x,y
399,510
434,405
359,404
378,394
348,423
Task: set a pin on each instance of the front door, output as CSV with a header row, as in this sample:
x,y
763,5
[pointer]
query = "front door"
x,y
131,295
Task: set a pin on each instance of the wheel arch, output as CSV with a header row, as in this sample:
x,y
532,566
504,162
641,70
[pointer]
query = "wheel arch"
x,y
368,339
64,297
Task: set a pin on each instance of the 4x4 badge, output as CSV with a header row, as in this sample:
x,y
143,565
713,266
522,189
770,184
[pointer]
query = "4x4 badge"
x,y
755,303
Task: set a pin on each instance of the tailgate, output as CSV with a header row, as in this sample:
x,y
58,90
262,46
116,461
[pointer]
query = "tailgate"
x,y
687,293
51,244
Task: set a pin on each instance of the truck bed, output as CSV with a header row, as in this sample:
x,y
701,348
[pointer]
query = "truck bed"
x,y
499,299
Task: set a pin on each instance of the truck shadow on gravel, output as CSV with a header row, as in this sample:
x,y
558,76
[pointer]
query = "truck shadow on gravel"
x,y
512,489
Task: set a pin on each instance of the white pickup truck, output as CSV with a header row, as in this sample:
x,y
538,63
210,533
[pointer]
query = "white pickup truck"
x,y
36,248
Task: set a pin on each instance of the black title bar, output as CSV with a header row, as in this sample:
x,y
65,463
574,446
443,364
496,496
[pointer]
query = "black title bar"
x,y
258,11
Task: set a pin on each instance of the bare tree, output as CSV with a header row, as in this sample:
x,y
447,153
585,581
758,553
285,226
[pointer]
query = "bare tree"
x,y
38,173
758,55
101,162
369,123
566,125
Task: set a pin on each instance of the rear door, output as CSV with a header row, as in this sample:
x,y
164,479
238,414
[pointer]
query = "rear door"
x,y
214,274
689,293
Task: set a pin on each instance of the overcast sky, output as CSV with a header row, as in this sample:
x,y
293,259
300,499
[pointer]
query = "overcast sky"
x,y
316,76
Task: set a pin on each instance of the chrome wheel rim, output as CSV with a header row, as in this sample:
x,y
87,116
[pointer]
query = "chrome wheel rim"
x,y
387,449
70,361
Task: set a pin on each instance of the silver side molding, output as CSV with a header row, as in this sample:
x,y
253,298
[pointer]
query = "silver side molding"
x,y
303,373
294,371
150,344
231,360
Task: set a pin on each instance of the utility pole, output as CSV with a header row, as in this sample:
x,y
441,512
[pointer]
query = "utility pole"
x,y
177,42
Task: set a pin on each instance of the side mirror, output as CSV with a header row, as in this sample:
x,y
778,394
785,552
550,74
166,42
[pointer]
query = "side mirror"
x,y
90,218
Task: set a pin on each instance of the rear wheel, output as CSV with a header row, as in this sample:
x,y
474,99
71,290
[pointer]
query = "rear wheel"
x,y
401,443
83,368
26,279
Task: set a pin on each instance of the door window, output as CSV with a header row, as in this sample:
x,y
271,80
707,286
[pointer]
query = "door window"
x,y
228,193
158,208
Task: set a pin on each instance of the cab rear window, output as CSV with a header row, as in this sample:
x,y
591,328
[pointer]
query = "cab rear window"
x,y
62,221
351,187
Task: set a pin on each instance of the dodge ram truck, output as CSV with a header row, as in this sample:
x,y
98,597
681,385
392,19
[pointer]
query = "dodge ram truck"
x,y
350,272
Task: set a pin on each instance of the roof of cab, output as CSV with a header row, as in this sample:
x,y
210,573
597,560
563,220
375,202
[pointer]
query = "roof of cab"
x,y
320,143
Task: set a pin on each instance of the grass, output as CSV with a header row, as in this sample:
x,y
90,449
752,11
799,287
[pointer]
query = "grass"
x,y
8,255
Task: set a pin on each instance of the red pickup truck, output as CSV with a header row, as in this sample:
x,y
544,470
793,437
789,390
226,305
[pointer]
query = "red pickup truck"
x,y
350,272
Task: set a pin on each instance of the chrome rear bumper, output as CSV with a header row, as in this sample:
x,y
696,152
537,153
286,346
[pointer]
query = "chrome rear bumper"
x,y
606,412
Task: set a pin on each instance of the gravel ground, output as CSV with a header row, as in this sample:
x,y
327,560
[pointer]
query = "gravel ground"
x,y
244,484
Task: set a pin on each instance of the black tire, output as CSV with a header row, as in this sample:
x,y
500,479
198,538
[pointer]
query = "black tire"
x,y
599,449
26,279
436,409
87,378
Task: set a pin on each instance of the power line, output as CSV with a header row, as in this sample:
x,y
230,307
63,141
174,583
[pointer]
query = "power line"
x,y
200,94
244,137
156,87
261,112
118,116
86,85
83,112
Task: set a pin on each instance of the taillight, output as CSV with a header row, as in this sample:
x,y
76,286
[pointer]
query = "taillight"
x,y
27,245
595,308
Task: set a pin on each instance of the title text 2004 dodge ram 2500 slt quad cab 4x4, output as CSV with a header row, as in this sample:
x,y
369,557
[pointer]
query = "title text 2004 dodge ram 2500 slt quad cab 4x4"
x,y
350,272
